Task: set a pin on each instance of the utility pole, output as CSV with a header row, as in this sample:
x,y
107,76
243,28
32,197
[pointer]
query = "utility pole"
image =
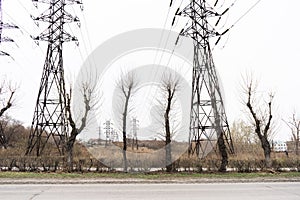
x,y
5,26
208,121
50,123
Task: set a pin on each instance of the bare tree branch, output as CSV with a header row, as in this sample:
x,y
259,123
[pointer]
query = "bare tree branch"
x,y
88,90
261,131
270,117
7,103
294,126
9,130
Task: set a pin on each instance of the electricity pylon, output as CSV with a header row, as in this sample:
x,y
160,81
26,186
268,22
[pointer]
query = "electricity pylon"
x,y
208,121
108,132
5,26
50,123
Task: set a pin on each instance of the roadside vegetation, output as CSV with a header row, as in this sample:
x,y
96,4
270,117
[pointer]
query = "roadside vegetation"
x,y
252,140
249,157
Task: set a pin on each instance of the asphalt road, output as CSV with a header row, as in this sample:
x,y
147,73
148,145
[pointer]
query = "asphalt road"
x,y
232,191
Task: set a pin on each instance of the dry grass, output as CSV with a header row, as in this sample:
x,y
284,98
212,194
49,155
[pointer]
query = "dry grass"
x,y
145,158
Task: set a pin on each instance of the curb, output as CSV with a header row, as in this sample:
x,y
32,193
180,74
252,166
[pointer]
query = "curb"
x,y
142,181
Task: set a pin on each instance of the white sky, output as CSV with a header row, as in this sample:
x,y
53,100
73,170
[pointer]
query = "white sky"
x,y
266,41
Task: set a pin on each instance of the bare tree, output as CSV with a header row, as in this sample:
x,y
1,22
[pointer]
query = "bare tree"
x,y
170,86
261,117
91,98
127,85
243,138
7,93
9,131
294,125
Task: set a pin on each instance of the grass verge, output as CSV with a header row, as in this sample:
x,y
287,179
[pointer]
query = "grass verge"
x,y
148,176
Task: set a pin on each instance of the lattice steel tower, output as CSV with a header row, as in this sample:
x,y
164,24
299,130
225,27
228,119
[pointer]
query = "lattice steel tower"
x,y
5,26
208,121
50,123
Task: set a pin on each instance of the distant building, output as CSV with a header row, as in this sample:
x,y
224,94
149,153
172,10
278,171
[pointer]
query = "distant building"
x,y
93,142
279,146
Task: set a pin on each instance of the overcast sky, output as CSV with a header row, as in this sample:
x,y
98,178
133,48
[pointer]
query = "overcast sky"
x,y
266,41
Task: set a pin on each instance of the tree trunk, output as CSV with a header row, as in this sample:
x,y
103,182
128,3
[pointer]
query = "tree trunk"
x,y
124,132
69,151
221,142
267,151
168,144
268,158
124,150
168,153
70,158
297,146
223,152
125,161
168,149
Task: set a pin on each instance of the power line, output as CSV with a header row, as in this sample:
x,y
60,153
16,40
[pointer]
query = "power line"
x,y
162,53
23,29
246,13
2,27
239,19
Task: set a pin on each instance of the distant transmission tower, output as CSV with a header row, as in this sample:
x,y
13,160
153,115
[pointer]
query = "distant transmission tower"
x,y
5,26
208,121
108,132
50,123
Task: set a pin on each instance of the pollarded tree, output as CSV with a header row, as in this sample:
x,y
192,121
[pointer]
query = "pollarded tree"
x,y
90,97
169,87
127,86
261,116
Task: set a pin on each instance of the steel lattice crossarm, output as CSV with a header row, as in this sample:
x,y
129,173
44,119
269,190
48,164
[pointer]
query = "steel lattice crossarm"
x,y
50,127
2,27
208,120
200,30
57,17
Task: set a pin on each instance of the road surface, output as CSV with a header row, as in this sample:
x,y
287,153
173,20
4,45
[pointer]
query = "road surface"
x,y
232,191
